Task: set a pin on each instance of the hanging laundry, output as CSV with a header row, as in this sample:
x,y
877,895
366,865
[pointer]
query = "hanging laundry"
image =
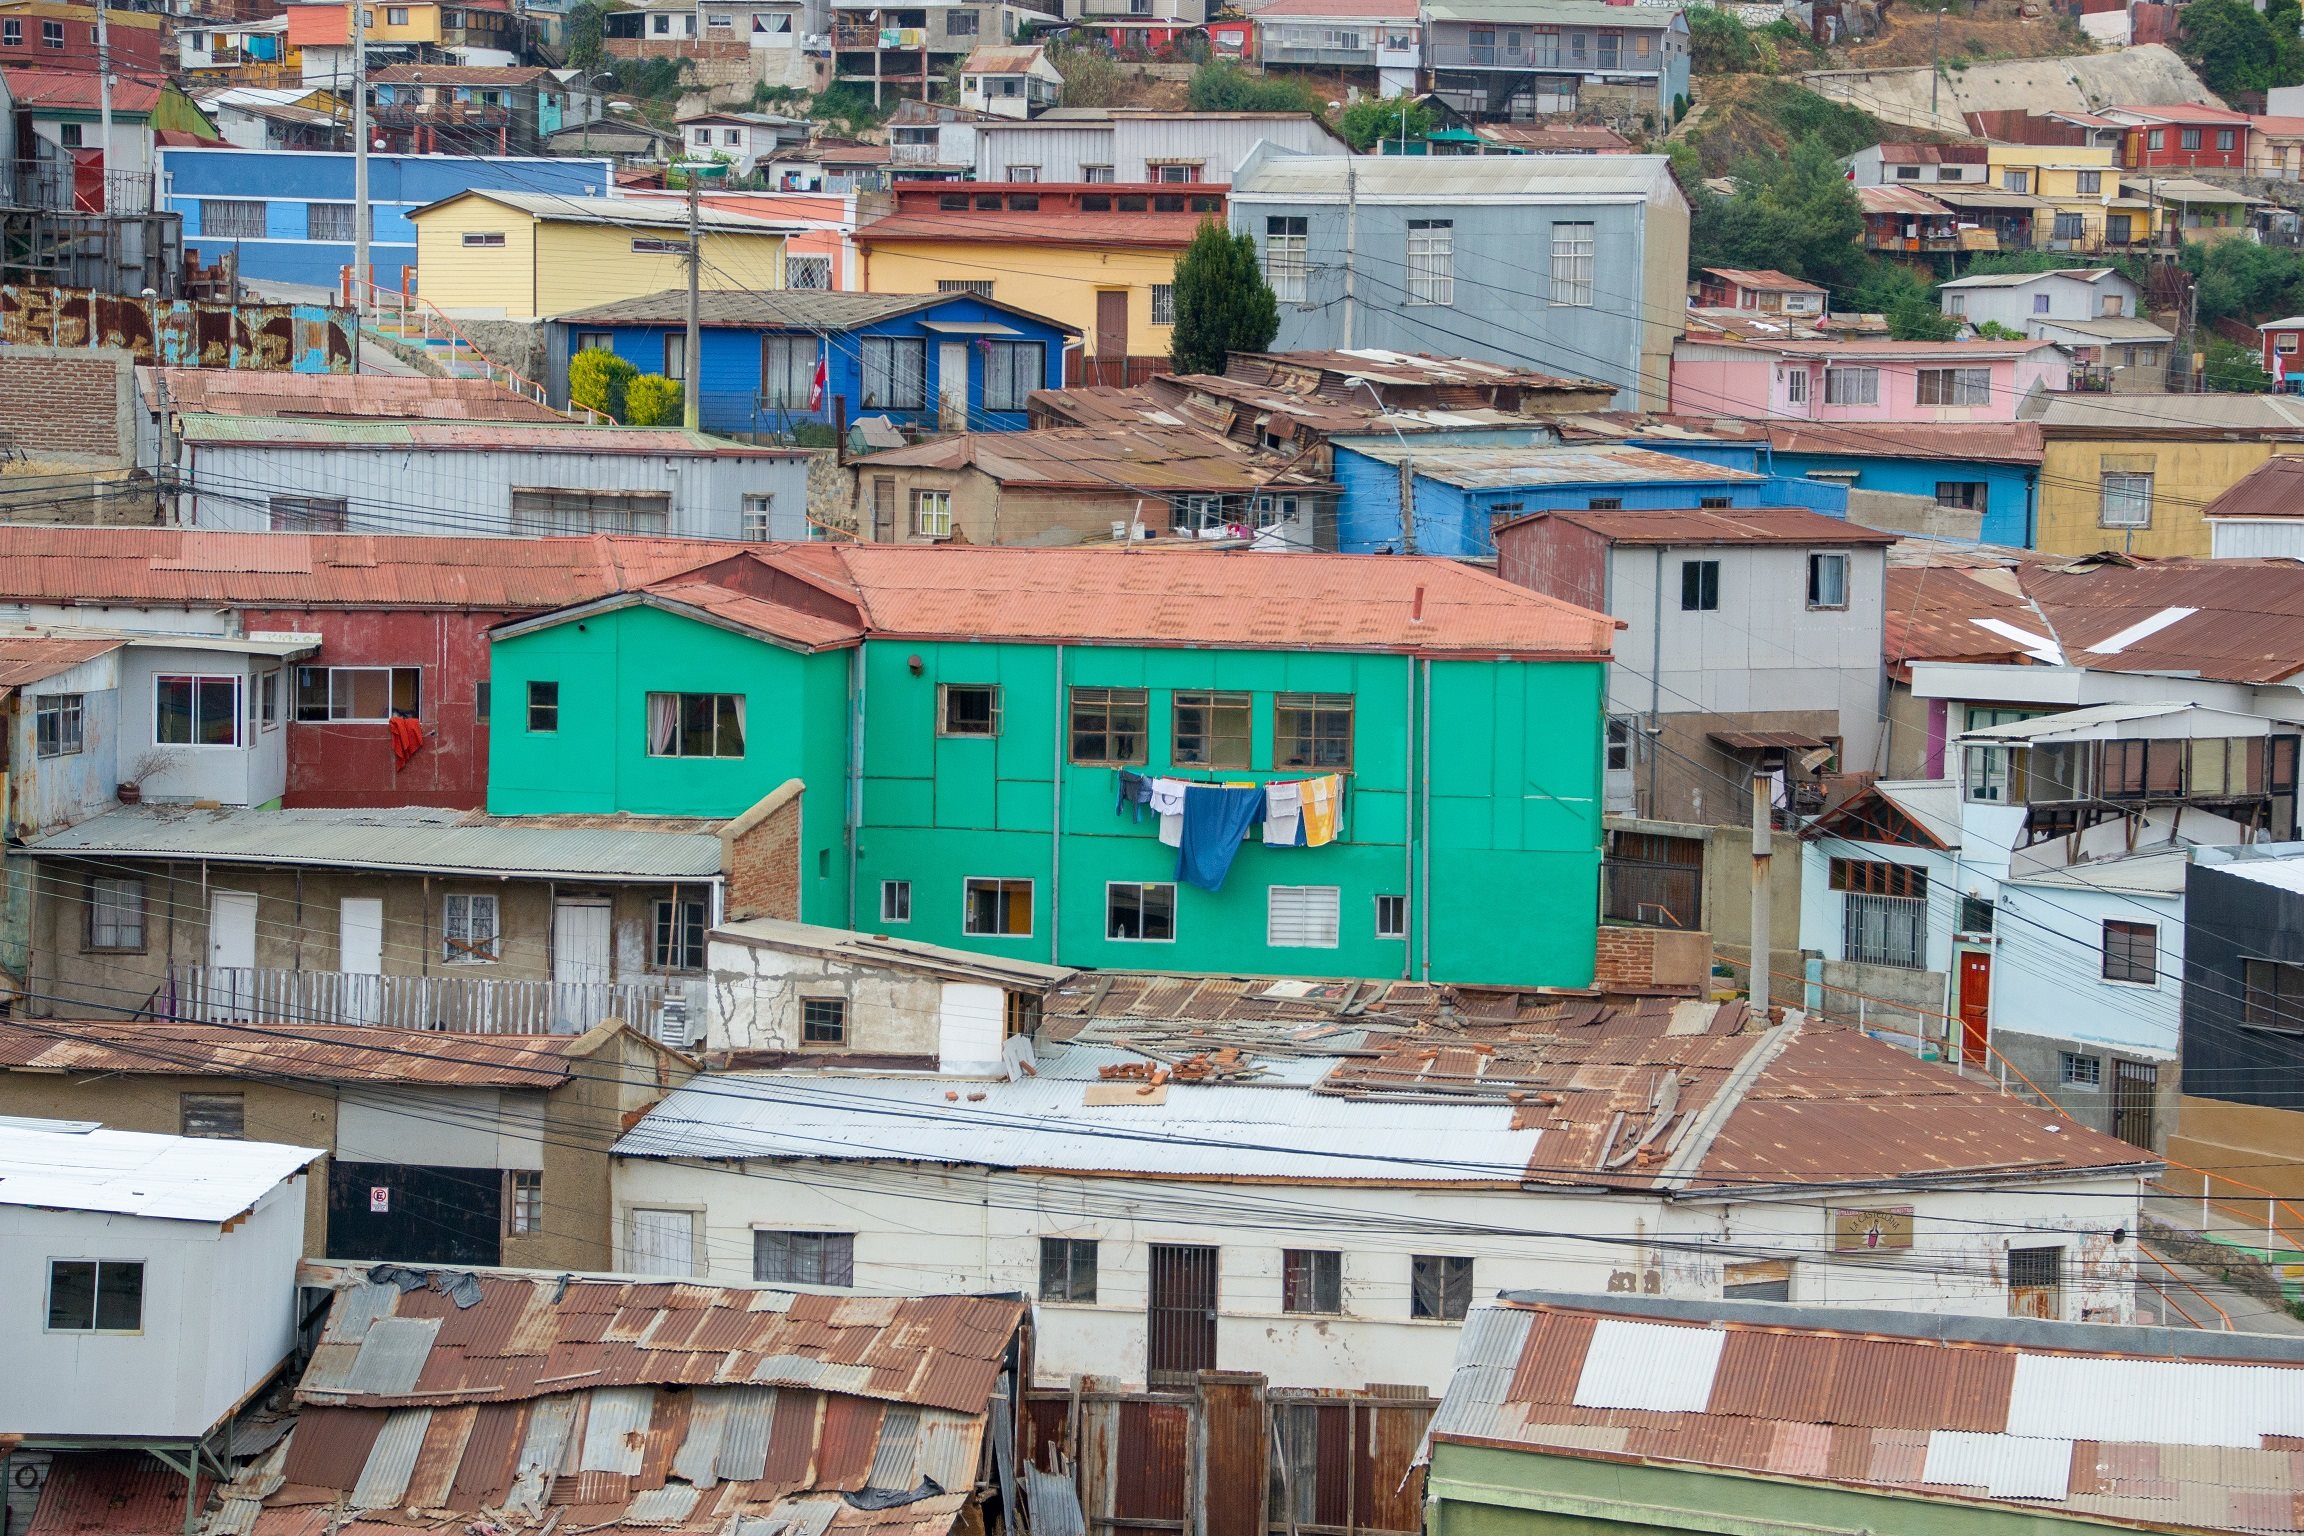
x,y
1284,814
1216,822
1323,809
407,740
1136,790
1168,804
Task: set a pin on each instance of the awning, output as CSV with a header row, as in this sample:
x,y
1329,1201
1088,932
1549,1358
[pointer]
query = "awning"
x,y
1764,741
968,328
1963,197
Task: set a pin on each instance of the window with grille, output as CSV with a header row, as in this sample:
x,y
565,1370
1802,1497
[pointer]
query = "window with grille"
x,y
524,1207
813,273
1108,725
1301,916
116,912
1144,914
804,1258
329,221
196,711
695,725
895,373
967,709
1976,914
470,933
679,924
981,287
1311,1280
2125,501
1210,730
997,908
1287,258
357,694
95,1295
1884,912
2132,952
309,514
759,517
541,511
1068,1269
229,218
1431,261
2036,1282
1163,303
1851,386
213,1116
1312,730
1572,264
1012,370
788,372
58,721
1439,1287
2074,1070
932,514
1954,386
895,901
823,1020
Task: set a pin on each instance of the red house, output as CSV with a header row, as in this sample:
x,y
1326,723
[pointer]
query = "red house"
x,y
2187,137
2284,349
61,34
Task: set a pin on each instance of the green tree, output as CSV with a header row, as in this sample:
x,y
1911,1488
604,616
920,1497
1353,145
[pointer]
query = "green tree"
x,y
2233,369
585,29
2238,48
1092,77
1718,43
1369,122
1917,318
1223,304
653,400
598,380
1796,213
1224,86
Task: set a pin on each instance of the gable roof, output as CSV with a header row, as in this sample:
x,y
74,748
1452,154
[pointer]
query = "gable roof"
x,y
1768,280
2274,488
619,212
1683,526
797,309
2088,275
78,90
1911,814
459,74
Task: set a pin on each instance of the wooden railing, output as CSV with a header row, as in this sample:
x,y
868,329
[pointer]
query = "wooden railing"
x,y
481,1005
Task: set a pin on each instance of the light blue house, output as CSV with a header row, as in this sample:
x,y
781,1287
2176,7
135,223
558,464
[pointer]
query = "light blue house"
x,y
286,215
1990,468
1461,493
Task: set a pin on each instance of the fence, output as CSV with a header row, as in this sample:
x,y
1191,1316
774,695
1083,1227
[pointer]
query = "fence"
x,y
459,1004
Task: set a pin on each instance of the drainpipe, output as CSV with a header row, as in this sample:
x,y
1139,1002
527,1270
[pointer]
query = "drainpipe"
x,y
1056,814
855,796
1655,679
1762,860
1416,917
1424,852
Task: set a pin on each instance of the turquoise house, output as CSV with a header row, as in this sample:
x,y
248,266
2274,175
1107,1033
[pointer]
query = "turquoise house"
x,y
960,719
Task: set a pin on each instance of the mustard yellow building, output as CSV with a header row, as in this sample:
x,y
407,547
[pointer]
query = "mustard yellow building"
x,y
2087,208
528,255
2133,472
1098,257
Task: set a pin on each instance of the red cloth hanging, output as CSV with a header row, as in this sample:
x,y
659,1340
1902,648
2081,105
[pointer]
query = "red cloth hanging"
x,y
407,741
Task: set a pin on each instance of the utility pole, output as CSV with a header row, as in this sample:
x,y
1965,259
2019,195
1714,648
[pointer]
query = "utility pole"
x,y
1763,813
104,100
1936,58
362,278
692,375
1351,240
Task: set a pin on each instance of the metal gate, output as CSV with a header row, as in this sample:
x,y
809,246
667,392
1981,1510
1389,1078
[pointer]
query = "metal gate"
x,y
2135,1084
1180,1314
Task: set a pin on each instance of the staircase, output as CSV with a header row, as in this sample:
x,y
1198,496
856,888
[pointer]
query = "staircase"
x,y
417,327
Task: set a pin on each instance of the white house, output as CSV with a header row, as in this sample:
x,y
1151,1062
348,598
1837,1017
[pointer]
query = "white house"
x,y
150,1280
1124,144
742,139
2095,312
1317,1180
1010,81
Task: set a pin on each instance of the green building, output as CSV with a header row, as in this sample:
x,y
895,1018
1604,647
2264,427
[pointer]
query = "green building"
x,y
959,718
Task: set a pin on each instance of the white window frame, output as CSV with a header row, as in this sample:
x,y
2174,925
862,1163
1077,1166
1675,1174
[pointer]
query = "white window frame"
x,y
632,1255
1431,262
932,512
1288,258
116,915
461,928
1851,386
1398,928
759,516
1307,919
1796,385
895,901
239,738
1820,561
70,714
1574,263
2131,482
1139,887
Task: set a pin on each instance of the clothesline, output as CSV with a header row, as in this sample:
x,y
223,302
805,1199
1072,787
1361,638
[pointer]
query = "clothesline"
x,y
1206,822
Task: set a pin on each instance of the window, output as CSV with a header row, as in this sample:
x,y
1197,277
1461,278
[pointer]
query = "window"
x,y
95,1295
196,711
731,137
1311,1280
1827,581
594,341
1884,912
654,245
1976,914
329,221
1301,917
1163,303
1604,504
524,1201
932,514
1955,303
2035,1282
395,15
1572,250
788,372
1967,495
1176,173
1907,173
676,356
895,373
1439,1287
116,912
1955,386
1067,1269
1027,174
56,724
357,693
543,707
2157,138
2089,183
1851,386
771,24
309,514
540,511
809,272
2132,953
1286,257
51,34
1796,386
1619,746
1699,586
268,699
980,287
1391,917
679,927
12,31
1211,730
2077,1071
483,238
225,218
823,1020
470,932
1312,730
1431,261
997,908
1144,914
1096,175
213,1116
2189,138
895,901
1012,370
2016,181
759,516
695,725
804,1258
2274,995
960,24
967,709
2040,301
1108,725
2126,501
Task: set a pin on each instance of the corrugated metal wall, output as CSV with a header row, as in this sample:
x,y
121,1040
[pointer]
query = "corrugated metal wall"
x,y
184,333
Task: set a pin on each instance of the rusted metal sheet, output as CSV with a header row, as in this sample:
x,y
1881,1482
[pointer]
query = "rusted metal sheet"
x,y
329,1449
1230,1434
111,1493
193,333
1153,1443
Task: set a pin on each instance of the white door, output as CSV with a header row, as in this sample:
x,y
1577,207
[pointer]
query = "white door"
x,y
231,954
360,957
952,385
661,1243
580,965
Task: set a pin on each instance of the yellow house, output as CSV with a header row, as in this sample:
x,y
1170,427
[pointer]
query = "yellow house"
x,y
528,255
1099,257
2087,207
2133,474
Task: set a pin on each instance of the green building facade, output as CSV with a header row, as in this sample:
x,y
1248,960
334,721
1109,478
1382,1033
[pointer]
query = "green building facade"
x,y
959,791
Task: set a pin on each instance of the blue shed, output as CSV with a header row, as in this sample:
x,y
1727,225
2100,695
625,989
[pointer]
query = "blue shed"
x,y
287,214
1461,492
1991,468
776,360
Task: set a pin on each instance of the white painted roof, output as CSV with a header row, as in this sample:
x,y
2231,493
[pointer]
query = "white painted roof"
x,y
2107,722
2281,874
67,1166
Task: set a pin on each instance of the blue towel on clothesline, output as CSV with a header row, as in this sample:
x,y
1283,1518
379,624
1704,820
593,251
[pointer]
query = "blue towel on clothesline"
x,y
1216,822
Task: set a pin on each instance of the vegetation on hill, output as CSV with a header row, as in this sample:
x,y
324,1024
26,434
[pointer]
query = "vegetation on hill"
x,y
1720,44
2235,47
1223,86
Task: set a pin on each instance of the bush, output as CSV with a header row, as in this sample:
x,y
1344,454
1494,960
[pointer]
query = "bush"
x,y
1993,330
1092,78
1368,122
1223,304
598,380
2233,369
1226,87
652,400
1719,44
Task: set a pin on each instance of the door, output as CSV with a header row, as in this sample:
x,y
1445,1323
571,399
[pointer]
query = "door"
x,y
660,1242
1975,1007
2135,1084
1112,332
415,1215
360,957
231,954
580,965
883,509
952,385
1181,1314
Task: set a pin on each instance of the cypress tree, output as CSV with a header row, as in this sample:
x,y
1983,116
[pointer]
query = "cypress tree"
x,y
1223,304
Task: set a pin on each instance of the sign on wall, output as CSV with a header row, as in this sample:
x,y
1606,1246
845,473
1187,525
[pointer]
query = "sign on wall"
x,y
1879,1229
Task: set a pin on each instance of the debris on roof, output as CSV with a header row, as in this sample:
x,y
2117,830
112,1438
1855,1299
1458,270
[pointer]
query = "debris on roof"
x,y
329,1053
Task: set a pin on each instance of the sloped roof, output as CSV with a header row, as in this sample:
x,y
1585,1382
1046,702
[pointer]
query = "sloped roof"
x,y
1143,459
245,392
78,90
1003,59
2006,442
1678,526
1547,178
1767,280
29,658
458,74
1898,199
466,437
70,1165
1159,231
1503,468
325,1053
2274,488
800,309
621,212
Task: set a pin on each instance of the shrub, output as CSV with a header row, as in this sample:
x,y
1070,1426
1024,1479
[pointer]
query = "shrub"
x,y
1226,87
598,380
652,400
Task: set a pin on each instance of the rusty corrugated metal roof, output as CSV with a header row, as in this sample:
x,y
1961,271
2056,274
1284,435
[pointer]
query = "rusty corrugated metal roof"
x,y
1672,526
241,392
1999,442
110,1493
30,658
333,1053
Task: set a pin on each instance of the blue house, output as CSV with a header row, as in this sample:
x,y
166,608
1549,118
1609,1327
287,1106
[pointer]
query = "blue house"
x,y
1461,492
1991,468
777,360
287,214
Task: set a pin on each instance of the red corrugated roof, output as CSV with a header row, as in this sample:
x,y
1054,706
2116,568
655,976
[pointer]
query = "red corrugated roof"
x,y
334,1053
1705,525
1159,231
245,392
111,1493
2003,442
73,90
29,658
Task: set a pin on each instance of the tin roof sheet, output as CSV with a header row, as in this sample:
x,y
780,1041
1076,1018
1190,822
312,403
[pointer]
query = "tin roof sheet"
x,y
1895,199
2274,488
1124,231
466,437
110,1493
30,658
245,392
71,1166
800,309
1764,280
1505,468
620,212
1706,526
336,1053
1539,178
2010,442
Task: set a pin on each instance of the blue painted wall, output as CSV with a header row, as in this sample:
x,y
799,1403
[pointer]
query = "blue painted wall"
x,y
732,358
2011,490
288,182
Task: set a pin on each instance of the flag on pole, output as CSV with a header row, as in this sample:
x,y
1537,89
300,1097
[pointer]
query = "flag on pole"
x,y
816,386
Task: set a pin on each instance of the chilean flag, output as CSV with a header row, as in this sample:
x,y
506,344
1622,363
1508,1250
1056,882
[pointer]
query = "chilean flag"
x,y
816,386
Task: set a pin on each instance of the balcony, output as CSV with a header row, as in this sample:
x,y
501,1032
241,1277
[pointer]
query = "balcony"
x,y
62,187
478,1005
1450,53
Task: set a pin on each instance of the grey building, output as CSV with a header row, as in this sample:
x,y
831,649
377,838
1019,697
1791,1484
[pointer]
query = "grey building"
x,y
1099,144
1534,58
1570,264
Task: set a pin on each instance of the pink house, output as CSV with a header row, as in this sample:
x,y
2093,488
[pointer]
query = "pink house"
x,y
1864,380
821,255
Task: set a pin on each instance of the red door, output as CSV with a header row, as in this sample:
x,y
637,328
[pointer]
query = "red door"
x,y
1975,1006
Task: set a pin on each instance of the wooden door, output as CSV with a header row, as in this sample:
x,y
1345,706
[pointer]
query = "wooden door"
x,y
231,992
2135,1084
1975,1007
1181,1314
360,957
580,964
952,386
883,508
1111,327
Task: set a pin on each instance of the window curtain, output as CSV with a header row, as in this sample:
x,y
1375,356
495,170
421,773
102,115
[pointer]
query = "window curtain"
x,y
663,723
738,700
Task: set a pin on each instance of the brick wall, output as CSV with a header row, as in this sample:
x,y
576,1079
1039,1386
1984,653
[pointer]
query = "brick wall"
x,y
1650,960
60,403
760,857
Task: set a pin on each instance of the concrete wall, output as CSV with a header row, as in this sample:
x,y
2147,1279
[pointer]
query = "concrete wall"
x,y
757,992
